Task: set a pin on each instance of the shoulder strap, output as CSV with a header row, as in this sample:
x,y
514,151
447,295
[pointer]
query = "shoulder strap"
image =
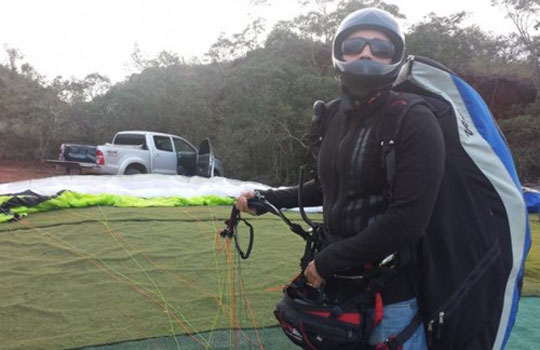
x,y
388,131
322,113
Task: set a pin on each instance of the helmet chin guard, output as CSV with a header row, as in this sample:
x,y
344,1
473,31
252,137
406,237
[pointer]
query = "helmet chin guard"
x,y
364,77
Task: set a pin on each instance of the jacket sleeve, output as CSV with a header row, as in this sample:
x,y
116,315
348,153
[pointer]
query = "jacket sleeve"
x,y
420,155
288,197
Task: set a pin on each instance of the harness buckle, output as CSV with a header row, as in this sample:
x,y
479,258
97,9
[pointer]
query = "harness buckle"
x,y
391,343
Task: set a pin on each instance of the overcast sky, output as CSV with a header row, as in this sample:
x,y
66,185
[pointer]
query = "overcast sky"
x,y
73,38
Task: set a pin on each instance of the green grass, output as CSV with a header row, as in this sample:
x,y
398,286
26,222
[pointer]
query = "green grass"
x,y
81,277
531,285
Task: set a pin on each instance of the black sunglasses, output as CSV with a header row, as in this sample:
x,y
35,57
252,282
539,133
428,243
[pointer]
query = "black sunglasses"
x,y
380,48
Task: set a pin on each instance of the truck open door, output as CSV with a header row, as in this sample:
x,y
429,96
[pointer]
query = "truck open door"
x,y
205,161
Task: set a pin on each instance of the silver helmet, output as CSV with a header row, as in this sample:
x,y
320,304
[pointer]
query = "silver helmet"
x,y
363,77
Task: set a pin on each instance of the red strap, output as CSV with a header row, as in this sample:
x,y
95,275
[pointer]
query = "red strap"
x,y
379,313
374,98
398,102
349,317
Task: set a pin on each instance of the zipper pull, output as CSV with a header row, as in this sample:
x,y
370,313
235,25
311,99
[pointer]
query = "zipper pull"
x,y
258,195
389,259
430,333
440,326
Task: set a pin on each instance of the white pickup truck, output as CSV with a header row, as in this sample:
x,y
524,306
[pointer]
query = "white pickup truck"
x,y
141,152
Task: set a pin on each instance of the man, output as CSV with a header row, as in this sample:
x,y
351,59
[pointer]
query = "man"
x,y
361,222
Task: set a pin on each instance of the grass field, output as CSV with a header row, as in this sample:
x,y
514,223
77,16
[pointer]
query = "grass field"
x,y
75,278
80,277
531,286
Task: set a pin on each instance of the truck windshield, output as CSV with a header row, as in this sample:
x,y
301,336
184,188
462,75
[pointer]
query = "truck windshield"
x,y
130,139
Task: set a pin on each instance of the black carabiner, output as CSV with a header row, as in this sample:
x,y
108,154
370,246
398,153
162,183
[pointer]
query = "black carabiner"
x,y
231,231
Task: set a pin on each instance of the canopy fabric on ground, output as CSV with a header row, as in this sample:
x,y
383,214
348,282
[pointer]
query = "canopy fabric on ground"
x,y
149,190
532,199
144,185
15,206
146,190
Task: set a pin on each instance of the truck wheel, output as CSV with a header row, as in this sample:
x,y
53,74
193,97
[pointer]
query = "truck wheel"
x,y
131,170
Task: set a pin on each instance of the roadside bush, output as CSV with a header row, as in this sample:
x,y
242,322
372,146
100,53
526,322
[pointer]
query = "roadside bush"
x,y
523,136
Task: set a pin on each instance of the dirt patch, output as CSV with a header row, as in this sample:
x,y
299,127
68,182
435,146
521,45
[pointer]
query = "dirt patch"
x,y
12,172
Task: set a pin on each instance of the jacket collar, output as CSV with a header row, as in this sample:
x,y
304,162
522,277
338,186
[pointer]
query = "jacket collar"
x,y
363,107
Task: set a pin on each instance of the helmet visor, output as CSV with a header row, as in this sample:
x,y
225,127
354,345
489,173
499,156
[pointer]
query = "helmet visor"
x,y
379,47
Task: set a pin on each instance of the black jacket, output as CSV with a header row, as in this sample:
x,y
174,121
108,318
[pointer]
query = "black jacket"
x,y
351,185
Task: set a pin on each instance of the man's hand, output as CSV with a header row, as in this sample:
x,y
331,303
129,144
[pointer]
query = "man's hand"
x,y
313,276
242,204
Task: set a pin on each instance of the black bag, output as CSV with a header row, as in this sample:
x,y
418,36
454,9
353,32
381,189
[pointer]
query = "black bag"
x,y
337,316
312,322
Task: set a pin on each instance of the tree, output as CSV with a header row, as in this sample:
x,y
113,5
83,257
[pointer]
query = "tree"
x,y
525,14
447,40
30,114
321,23
82,90
238,44
252,94
523,135
14,55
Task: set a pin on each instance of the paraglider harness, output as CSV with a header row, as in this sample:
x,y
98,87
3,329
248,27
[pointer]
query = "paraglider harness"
x,y
335,315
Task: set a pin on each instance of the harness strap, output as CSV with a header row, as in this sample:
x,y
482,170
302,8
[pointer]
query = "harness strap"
x,y
379,310
388,132
396,342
